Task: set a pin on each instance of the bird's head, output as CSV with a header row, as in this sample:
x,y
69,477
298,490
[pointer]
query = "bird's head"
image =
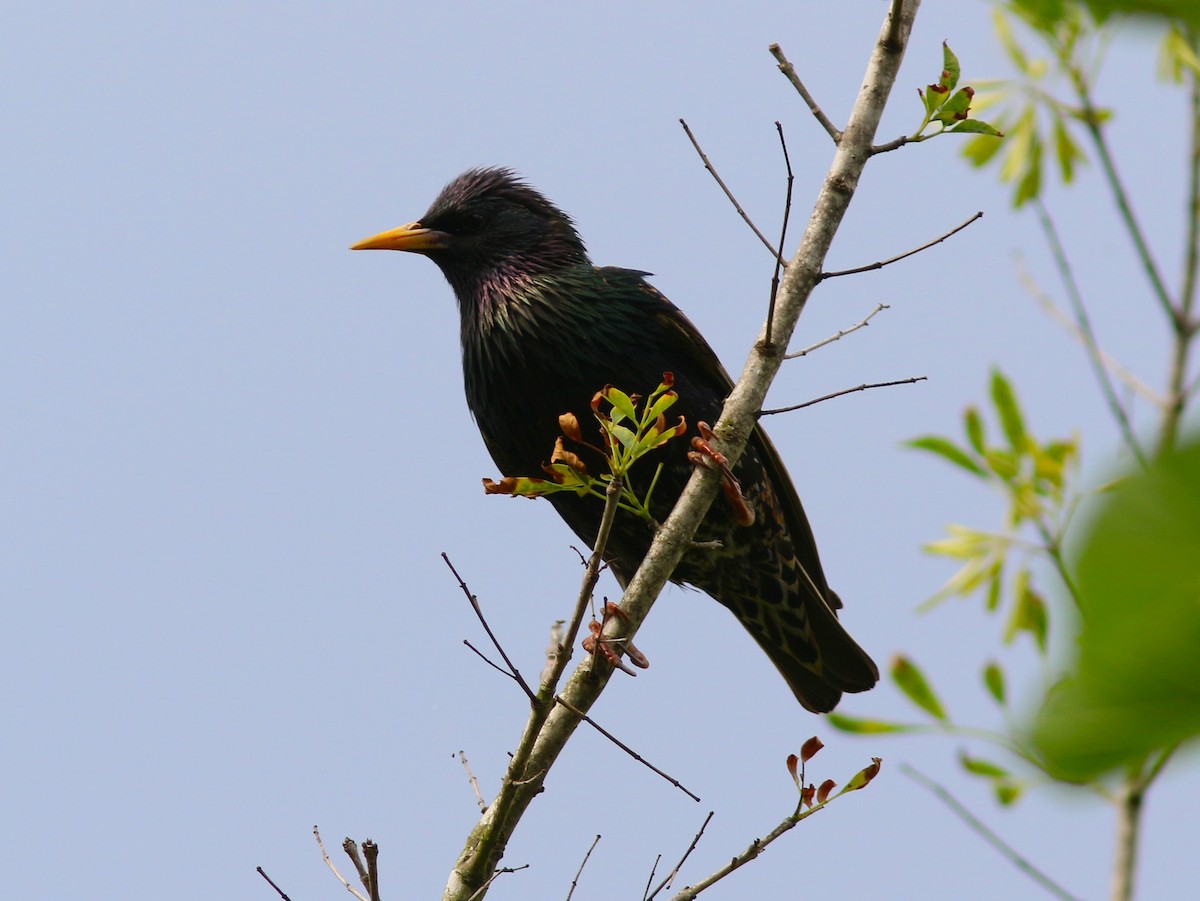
x,y
488,225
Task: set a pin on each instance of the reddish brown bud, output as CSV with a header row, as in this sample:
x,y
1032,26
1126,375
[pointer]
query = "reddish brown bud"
x,y
823,792
810,749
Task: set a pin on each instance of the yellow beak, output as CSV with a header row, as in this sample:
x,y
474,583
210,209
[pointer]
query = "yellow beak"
x,y
413,237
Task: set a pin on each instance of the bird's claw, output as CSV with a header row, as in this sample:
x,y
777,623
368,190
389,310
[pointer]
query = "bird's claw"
x,y
612,648
704,454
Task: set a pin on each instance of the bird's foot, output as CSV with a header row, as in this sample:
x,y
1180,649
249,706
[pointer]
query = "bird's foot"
x,y
612,648
704,454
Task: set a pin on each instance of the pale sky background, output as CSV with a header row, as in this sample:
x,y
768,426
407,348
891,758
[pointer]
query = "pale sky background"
x,y
233,450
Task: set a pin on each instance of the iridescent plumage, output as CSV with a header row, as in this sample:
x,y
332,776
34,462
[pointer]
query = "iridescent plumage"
x,y
542,330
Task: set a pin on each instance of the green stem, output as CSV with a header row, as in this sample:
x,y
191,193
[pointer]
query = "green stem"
x,y
1092,123
1184,326
1084,323
985,832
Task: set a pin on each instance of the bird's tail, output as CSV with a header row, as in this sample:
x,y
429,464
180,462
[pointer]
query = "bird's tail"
x,y
816,656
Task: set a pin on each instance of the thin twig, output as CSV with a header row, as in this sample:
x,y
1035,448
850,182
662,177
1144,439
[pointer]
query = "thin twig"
x,y
866,320
516,674
1090,344
591,575
789,72
462,758
787,212
482,890
582,864
871,267
809,403
737,206
889,146
482,656
670,877
650,878
981,829
329,863
271,882
624,747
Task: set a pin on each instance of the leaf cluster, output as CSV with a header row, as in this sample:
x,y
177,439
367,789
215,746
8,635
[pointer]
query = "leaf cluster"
x,y
948,107
627,434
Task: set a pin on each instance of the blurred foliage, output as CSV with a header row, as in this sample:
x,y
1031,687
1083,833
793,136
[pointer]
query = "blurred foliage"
x,y
1048,112
1035,479
1134,686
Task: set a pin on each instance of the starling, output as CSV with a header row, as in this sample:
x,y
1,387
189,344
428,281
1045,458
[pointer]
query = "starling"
x,y
542,330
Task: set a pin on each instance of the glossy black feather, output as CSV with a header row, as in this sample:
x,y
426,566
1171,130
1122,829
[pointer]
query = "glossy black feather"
x,y
543,330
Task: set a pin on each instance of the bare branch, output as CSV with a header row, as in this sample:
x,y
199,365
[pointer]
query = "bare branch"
x,y
462,758
548,730
350,846
329,863
482,890
737,206
809,403
624,747
516,674
582,864
271,882
871,267
837,336
482,656
670,877
787,213
591,574
789,72
371,852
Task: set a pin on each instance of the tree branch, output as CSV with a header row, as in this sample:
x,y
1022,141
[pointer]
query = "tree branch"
x,y
487,841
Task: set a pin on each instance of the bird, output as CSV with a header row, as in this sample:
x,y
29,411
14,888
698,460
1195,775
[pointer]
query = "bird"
x,y
542,329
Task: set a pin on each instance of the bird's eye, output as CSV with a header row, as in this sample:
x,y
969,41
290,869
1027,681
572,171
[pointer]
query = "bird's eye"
x,y
472,222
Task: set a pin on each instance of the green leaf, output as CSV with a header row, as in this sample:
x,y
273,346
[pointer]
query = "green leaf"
x,y
973,425
1004,35
863,726
980,150
1169,10
626,436
1029,186
1007,793
1002,463
1011,420
661,404
622,404
1028,615
977,766
1176,56
910,680
975,126
1066,151
1135,685
948,450
993,681
955,109
950,68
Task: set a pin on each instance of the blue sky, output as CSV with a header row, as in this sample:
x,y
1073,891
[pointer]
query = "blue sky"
x,y
234,450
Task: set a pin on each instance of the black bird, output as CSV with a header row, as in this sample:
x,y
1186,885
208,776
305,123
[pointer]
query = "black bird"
x,y
542,330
